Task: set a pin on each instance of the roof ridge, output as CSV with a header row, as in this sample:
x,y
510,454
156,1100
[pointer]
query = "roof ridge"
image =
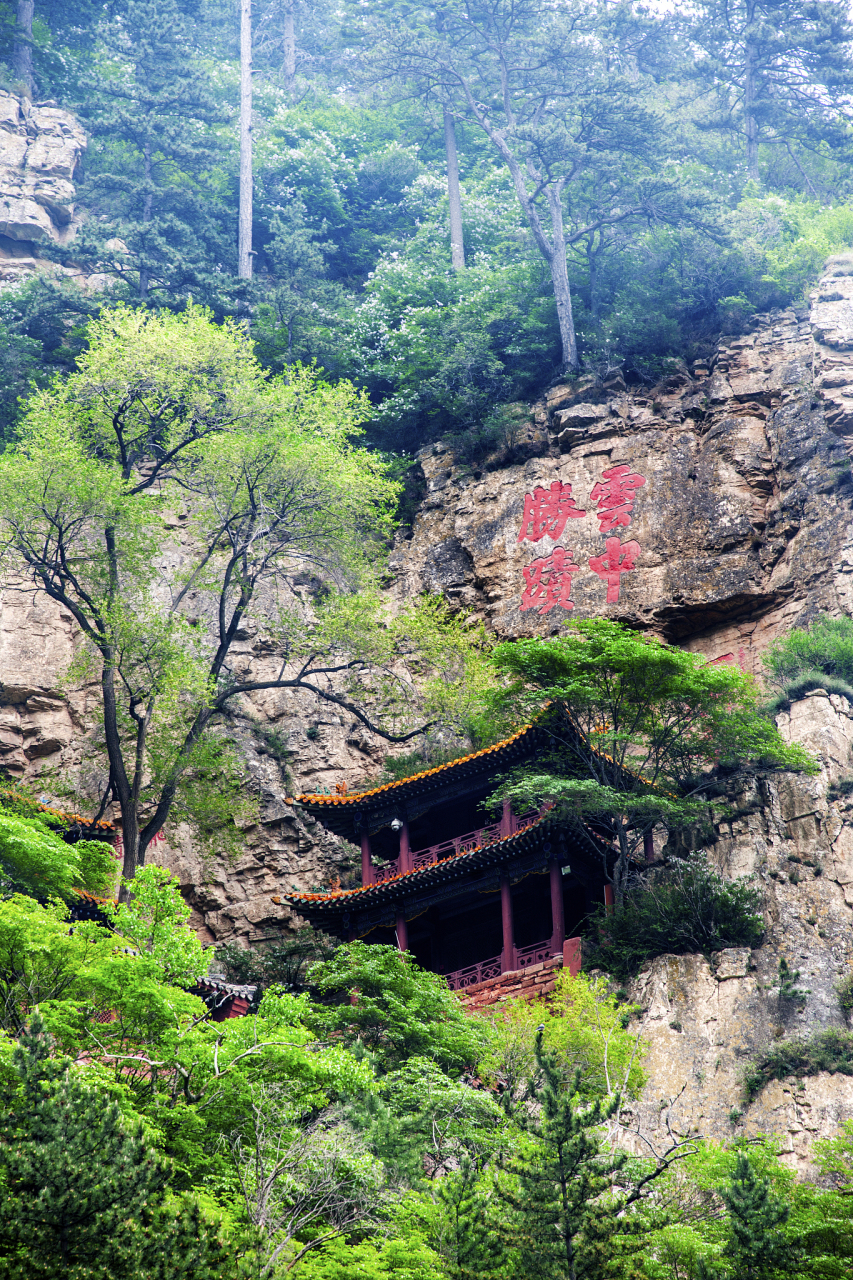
x,y
344,798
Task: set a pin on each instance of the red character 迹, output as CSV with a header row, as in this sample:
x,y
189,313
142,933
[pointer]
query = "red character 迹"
x,y
614,496
548,581
619,557
546,512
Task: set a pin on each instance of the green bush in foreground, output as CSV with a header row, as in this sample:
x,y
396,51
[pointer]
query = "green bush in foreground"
x,y
688,908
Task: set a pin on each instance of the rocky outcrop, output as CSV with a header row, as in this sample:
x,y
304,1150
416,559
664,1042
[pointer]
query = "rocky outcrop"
x,y
40,147
704,1021
741,524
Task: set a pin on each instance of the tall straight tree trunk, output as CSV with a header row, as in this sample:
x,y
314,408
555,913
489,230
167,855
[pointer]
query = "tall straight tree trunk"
x,y
144,274
22,46
749,114
244,236
560,278
454,199
289,46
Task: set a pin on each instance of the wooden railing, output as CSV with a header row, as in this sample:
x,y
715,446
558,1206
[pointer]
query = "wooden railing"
x,y
522,958
462,978
459,844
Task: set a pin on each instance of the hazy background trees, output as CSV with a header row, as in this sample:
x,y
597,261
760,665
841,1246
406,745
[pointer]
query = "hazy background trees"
x,y
628,185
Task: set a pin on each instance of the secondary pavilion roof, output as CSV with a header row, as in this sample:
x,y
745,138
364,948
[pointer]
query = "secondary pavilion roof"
x,y
367,811
368,907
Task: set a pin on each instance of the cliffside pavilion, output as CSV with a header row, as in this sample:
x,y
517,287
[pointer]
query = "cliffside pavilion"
x,y
470,900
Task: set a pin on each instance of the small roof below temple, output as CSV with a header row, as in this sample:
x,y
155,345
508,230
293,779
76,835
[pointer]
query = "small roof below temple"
x,y
349,815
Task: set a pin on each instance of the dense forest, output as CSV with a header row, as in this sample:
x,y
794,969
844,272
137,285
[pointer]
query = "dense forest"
x,y
449,207
323,237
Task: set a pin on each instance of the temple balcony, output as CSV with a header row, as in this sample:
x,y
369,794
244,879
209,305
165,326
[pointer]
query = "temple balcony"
x,y
509,825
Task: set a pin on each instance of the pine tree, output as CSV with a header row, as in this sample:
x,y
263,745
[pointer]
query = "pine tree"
x,y
779,71
150,110
757,1247
472,1250
81,1194
561,1181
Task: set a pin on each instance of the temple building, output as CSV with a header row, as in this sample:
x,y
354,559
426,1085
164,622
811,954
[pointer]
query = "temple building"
x,y
470,899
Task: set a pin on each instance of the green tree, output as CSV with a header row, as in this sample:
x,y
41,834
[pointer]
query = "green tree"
x,y
469,1244
148,103
81,1194
757,1247
399,1011
563,100
634,726
265,478
776,72
35,859
564,1189
156,921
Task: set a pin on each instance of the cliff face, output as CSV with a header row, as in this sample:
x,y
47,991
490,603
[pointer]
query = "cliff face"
x,y
40,147
728,495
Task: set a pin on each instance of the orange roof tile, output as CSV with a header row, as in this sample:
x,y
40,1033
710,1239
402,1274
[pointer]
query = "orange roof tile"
x,y
317,798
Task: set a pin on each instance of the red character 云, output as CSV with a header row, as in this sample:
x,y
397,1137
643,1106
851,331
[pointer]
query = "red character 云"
x,y
614,496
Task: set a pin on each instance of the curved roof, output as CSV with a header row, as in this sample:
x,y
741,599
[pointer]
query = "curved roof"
x,y
342,812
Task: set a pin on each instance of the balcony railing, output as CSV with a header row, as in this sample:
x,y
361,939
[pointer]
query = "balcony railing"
x,y
459,844
462,978
523,958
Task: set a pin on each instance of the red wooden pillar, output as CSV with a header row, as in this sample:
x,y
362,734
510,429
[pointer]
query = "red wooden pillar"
x,y
608,898
405,850
506,820
366,864
508,952
402,932
558,924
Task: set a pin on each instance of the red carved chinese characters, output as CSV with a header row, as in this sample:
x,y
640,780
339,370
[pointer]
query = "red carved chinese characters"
x,y
546,512
619,557
548,581
614,496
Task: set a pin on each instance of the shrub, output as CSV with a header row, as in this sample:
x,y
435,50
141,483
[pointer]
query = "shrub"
x,y
830,1050
815,657
283,963
685,909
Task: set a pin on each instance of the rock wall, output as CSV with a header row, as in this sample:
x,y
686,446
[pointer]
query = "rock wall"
x,y
40,147
732,514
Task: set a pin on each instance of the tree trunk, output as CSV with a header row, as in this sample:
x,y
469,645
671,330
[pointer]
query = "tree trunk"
x,y
144,274
750,121
22,47
457,247
289,46
244,236
560,277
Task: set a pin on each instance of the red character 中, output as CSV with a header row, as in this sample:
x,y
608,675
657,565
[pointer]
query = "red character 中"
x,y
546,512
548,581
614,496
619,557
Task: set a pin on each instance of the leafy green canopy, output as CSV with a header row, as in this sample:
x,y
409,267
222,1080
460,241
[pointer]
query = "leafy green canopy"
x,y
399,1011
805,656
35,859
634,725
169,423
82,1194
